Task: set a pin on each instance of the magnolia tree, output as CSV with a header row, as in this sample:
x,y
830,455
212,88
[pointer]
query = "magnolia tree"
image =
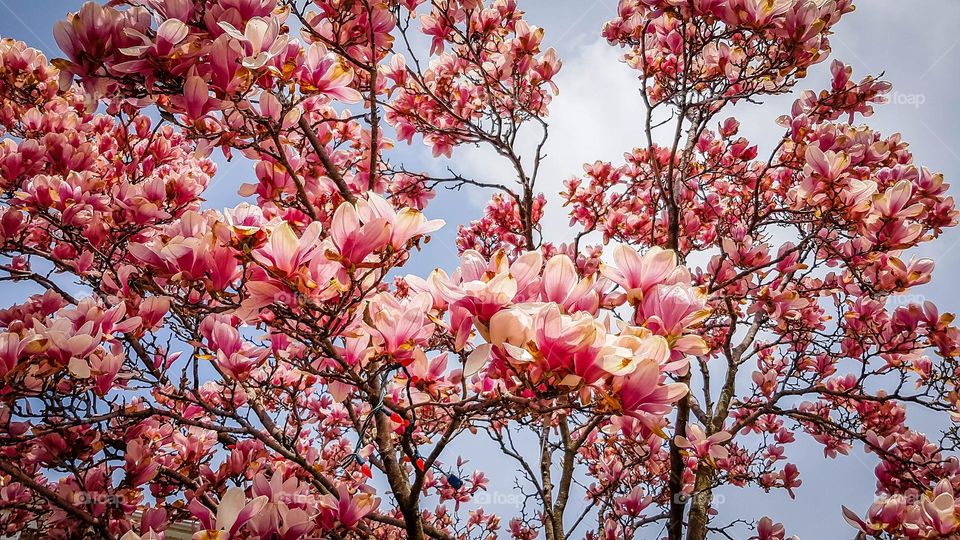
x,y
270,372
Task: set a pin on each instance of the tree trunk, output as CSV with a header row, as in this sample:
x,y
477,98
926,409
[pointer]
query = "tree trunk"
x,y
546,478
411,517
407,501
677,466
698,517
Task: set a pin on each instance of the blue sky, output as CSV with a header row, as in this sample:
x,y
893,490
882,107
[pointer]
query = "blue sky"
x,y
598,116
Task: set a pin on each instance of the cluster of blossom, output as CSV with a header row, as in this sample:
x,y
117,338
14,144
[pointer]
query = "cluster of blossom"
x,y
116,203
912,502
723,49
500,228
448,101
856,203
543,333
230,73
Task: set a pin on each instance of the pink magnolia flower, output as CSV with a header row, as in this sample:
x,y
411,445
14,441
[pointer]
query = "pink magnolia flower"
x,y
139,464
858,194
295,523
634,503
940,510
235,358
196,100
560,337
226,55
325,74
643,396
670,309
638,274
621,354
244,219
476,274
152,311
71,345
541,337
513,325
355,239
406,224
232,513
887,511
562,285
221,334
829,164
399,326
13,346
768,530
284,252
893,203
105,371
701,445
284,513
481,298
345,508
262,39
169,34
237,365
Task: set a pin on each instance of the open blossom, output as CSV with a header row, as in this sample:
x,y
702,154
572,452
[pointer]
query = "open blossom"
x,y
638,274
514,325
767,529
232,513
284,252
260,37
483,287
326,74
406,224
635,502
561,337
400,326
372,224
71,344
643,395
286,511
622,353
669,309
353,239
703,446
230,353
13,346
347,509
562,285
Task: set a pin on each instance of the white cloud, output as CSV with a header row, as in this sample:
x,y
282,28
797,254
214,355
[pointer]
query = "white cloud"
x,y
597,116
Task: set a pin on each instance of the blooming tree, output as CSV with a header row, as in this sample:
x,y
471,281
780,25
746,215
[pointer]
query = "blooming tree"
x,y
271,372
